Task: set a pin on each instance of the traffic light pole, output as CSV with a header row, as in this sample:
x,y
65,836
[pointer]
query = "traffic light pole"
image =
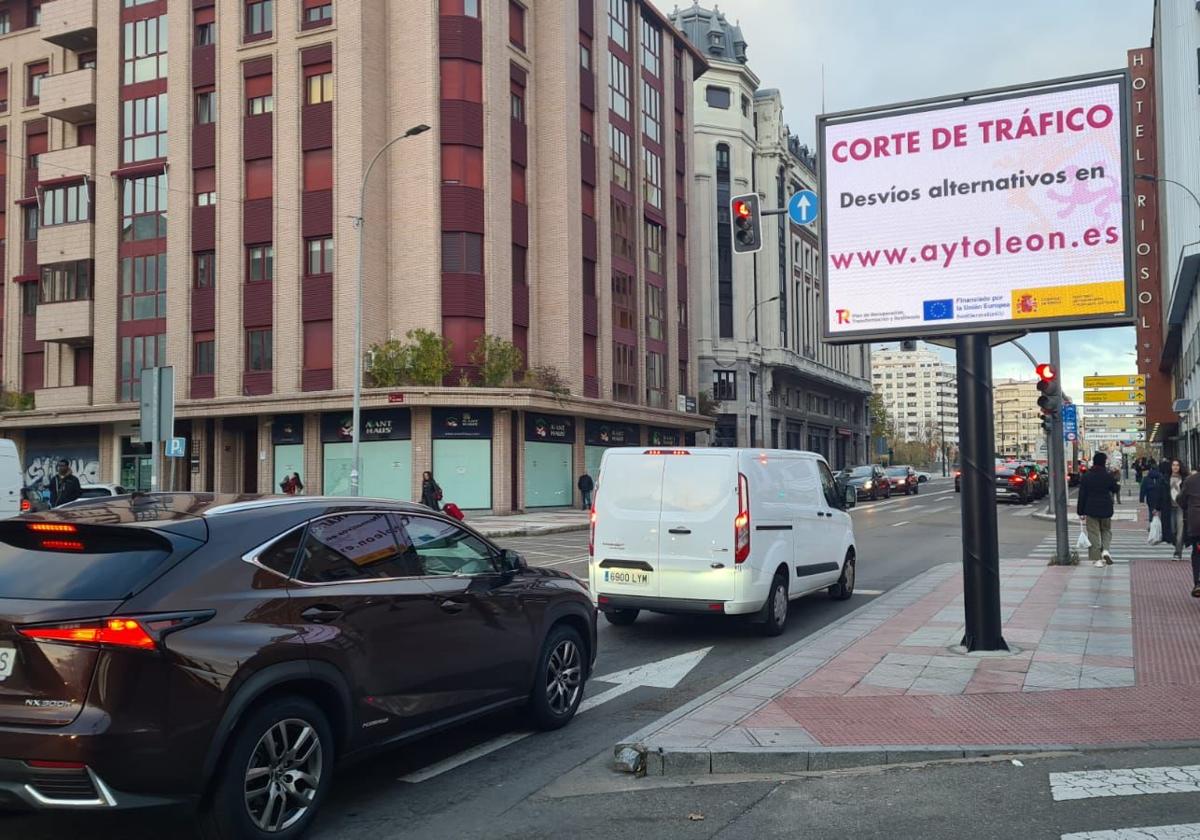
x,y
1058,477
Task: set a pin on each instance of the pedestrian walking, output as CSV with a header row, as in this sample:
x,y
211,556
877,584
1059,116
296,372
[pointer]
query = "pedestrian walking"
x,y
586,486
64,486
1178,529
1116,474
1189,503
1095,509
1138,469
1150,492
431,493
297,485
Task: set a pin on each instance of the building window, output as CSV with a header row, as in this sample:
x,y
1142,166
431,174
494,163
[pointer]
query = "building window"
x,y
138,353
260,263
144,128
656,380
258,350
205,27
651,48
317,13
144,56
518,184
206,107
624,302
717,97
259,91
678,64
318,255
753,395
5,22
260,18
618,22
66,281
624,372
622,231
656,312
725,385
461,80
520,264
470,8
258,174
34,75
745,105
516,25
517,106
462,253
651,111
462,165
621,160
3,91
204,269
35,14
29,298
31,224
618,86
320,87
65,205
143,287
204,185
724,246
585,52
654,246
318,170
204,354
652,187
264,104
144,208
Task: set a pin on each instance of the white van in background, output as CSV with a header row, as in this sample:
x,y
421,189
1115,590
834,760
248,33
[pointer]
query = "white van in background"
x,y
731,531
12,479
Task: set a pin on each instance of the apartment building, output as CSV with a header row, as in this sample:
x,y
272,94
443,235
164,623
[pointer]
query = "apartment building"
x,y
756,318
181,187
919,389
1017,419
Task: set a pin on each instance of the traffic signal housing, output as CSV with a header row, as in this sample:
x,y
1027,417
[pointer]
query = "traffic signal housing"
x,y
747,223
1051,400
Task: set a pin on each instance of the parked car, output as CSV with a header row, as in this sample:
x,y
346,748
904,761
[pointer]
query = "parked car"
x,y
923,476
869,481
727,531
89,493
903,480
1013,483
233,651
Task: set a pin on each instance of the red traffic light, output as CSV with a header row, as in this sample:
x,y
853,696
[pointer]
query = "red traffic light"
x,y
741,209
1046,372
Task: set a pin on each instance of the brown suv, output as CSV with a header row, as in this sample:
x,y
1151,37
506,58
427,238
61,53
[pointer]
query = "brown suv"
x,y
229,651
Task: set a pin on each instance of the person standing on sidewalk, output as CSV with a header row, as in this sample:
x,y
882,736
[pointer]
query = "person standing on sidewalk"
x,y
1179,520
1095,509
1172,478
1189,503
586,485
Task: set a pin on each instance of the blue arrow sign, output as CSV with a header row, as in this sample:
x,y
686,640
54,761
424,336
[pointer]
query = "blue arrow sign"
x,y
803,207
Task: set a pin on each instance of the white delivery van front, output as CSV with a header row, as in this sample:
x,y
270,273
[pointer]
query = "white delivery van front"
x,y
727,531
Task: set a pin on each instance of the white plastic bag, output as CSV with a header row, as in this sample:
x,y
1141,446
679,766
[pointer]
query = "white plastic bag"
x,y
1083,543
1155,535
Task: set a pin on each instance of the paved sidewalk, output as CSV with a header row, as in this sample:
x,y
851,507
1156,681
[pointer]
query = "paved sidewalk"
x,y
530,524
1101,657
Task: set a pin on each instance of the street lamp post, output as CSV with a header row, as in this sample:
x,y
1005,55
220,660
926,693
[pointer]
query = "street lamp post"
x,y
356,463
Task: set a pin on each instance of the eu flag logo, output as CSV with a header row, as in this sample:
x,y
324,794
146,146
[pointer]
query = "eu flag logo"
x,y
939,310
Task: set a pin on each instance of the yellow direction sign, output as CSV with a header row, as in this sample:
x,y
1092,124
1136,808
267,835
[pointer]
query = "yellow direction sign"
x,y
1119,424
1113,396
1121,381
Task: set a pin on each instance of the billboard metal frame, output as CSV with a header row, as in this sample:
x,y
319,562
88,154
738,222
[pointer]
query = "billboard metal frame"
x,y
939,103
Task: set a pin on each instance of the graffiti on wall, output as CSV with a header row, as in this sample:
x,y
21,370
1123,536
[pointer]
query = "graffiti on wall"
x,y
40,466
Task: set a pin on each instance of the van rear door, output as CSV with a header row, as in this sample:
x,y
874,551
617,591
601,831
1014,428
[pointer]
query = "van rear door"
x,y
699,504
628,504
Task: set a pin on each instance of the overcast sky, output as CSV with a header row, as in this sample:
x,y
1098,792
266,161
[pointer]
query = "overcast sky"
x,y
879,51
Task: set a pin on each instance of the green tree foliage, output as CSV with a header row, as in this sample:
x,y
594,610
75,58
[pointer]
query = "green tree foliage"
x,y
498,361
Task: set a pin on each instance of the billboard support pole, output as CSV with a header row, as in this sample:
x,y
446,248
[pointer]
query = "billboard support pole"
x,y
1058,479
981,548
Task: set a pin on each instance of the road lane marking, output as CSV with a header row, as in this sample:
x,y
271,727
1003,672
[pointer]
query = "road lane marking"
x,y
565,562
464,757
1090,784
1181,831
898,524
869,591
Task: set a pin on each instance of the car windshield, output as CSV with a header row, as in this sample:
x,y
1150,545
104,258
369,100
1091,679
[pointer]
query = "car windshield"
x,y
860,472
897,471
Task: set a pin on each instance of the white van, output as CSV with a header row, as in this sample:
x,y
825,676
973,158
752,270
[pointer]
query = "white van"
x,y
12,480
731,531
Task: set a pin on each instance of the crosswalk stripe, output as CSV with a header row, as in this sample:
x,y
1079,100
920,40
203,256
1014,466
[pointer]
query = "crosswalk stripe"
x,y
1090,784
1182,831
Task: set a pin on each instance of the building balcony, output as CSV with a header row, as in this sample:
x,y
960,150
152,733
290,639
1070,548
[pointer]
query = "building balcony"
x,y
73,396
70,97
70,24
67,322
64,243
74,162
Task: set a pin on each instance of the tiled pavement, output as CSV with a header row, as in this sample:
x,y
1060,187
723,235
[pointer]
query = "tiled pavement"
x,y
1100,656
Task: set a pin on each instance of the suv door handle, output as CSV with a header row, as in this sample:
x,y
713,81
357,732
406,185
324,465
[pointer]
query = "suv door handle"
x,y
322,614
452,607
680,531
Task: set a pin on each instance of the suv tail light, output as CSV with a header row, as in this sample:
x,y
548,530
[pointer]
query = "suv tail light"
x,y
142,633
741,523
1016,479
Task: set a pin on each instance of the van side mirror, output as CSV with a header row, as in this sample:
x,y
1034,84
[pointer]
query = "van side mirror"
x,y
512,561
849,497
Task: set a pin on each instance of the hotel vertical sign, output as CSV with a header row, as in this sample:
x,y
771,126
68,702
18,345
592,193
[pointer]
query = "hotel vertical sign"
x,y
1147,265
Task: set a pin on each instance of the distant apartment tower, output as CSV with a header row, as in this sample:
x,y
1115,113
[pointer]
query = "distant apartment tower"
x,y
920,392
1017,419
547,205
756,317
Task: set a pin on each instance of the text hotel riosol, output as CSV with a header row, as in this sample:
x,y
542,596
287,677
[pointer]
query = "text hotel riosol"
x,y
998,210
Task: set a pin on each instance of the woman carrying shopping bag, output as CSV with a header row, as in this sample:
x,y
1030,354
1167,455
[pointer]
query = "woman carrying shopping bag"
x,y
1175,479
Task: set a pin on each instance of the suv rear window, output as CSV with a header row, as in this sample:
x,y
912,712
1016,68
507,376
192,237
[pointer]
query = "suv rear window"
x,y
87,564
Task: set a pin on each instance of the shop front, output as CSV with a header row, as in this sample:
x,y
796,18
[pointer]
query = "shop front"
x,y
818,440
44,448
549,444
599,435
664,437
287,440
462,456
385,451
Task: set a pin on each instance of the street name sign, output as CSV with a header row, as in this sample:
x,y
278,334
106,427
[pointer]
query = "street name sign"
x,y
1121,381
1114,396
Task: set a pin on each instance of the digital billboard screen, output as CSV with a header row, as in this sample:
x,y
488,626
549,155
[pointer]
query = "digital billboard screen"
x,y
986,212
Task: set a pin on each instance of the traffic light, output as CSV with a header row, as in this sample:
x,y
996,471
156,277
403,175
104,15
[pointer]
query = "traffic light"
x,y
747,223
1051,400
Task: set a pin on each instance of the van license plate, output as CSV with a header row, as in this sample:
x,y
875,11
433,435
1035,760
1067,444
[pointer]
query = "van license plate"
x,y
627,577
8,660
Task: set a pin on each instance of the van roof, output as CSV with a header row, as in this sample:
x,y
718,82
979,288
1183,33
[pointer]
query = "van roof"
x,y
719,450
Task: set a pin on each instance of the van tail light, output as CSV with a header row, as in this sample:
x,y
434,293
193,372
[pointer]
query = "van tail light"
x,y
741,524
592,531
142,633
